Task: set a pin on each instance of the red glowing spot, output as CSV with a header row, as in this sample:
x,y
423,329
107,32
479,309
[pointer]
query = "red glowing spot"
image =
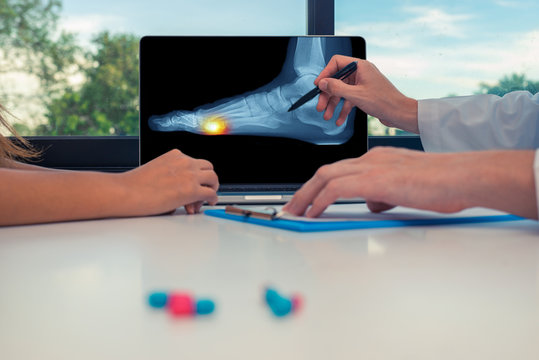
x,y
215,125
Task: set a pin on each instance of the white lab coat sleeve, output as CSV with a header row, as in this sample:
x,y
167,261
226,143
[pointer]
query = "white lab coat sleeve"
x,y
480,122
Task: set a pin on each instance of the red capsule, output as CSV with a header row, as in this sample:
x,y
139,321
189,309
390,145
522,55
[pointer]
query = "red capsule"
x,y
181,304
297,302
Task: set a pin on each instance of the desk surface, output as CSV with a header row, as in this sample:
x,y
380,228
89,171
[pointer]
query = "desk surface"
x,y
77,291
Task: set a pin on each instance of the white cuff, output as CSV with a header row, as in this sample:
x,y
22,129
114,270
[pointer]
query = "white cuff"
x,y
429,125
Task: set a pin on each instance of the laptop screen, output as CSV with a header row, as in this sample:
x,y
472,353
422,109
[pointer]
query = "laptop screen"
x,y
226,100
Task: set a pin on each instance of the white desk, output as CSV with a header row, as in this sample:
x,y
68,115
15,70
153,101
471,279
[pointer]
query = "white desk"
x,y
78,290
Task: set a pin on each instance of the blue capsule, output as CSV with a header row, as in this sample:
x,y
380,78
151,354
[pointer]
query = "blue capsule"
x,y
282,307
279,305
205,307
272,296
158,300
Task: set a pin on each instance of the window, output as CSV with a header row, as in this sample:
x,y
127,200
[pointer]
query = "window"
x,y
447,48
70,67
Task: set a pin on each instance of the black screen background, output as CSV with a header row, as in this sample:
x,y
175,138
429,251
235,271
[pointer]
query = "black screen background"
x,y
186,72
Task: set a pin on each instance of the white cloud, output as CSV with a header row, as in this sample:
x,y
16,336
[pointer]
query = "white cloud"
x,y
436,72
184,17
527,52
424,24
86,26
430,54
382,34
511,4
438,22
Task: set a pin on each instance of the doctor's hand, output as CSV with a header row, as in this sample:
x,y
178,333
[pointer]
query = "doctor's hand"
x,y
387,177
170,181
369,90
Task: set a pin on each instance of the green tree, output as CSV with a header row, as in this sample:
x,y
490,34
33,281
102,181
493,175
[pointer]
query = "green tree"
x,y
509,83
107,102
31,44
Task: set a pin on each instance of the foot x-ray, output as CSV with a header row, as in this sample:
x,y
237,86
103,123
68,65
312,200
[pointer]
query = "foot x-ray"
x,y
264,111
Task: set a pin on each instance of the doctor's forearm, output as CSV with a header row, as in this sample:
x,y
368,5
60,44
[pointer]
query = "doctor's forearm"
x,y
502,180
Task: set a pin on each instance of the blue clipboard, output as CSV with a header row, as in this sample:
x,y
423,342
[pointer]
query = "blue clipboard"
x,y
309,226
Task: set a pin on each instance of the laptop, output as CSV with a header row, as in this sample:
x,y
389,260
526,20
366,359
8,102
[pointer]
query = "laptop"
x,y
226,99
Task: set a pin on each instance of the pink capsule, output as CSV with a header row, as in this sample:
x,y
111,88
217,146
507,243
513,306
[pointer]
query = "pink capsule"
x,y
181,304
297,302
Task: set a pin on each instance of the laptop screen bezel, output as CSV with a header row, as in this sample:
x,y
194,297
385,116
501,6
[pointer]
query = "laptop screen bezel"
x,y
237,159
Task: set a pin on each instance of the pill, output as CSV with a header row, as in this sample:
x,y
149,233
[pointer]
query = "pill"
x,y
297,302
181,304
157,299
271,296
281,307
205,306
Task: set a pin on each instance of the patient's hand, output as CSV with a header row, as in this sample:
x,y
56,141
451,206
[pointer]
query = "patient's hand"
x,y
169,181
33,195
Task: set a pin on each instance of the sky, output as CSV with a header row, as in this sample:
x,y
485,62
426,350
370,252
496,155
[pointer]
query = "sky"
x,y
427,48
436,48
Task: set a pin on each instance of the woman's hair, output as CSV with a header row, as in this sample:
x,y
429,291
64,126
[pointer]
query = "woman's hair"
x,y
8,149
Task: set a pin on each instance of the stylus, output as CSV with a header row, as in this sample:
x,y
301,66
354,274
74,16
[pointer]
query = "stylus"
x,y
341,75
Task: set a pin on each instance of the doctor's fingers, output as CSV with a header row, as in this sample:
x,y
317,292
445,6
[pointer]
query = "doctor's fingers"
x,y
344,187
331,106
328,104
345,111
333,189
323,100
378,207
336,63
308,192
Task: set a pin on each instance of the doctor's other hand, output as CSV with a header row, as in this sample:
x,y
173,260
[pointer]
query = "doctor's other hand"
x,y
387,177
369,90
170,181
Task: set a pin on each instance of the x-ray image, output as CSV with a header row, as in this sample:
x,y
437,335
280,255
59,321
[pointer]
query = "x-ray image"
x,y
264,111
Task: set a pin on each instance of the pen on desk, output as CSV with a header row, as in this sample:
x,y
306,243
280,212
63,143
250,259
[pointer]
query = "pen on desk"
x,y
341,75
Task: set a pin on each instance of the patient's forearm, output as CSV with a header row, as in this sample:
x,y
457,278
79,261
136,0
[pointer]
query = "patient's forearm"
x,y
36,196
24,166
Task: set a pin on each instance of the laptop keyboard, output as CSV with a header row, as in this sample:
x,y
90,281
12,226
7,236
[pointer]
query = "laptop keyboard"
x,y
259,187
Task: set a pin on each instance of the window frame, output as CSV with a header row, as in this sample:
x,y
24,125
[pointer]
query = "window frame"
x,y
121,153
